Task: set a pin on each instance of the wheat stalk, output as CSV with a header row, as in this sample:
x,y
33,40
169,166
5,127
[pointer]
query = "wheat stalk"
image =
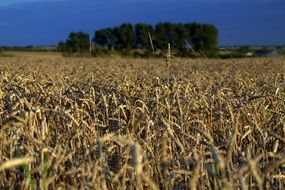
x,y
15,162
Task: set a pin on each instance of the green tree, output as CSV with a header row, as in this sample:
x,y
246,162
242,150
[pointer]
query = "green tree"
x,y
77,42
179,36
142,32
209,37
105,38
61,46
124,36
164,35
194,35
202,36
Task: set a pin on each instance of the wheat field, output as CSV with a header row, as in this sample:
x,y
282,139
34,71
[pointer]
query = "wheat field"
x,y
118,123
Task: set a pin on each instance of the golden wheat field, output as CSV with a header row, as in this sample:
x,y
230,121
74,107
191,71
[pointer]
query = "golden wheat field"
x,y
118,123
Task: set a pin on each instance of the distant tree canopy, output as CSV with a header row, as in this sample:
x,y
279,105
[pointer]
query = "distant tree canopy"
x,y
105,37
199,36
142,32
127,37
124,36
77,42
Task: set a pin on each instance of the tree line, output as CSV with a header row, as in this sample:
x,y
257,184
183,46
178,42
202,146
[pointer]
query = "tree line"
x,y
183,38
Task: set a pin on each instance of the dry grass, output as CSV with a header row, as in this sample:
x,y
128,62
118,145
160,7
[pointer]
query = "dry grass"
x,y
128,124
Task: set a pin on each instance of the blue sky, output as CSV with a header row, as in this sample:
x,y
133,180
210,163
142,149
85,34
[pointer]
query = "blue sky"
x,y
46,22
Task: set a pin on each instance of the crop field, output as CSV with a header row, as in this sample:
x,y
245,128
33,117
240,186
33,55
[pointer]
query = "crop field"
x,y
123,123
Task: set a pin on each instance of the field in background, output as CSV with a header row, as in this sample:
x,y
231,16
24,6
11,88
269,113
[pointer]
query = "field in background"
x,y
71,123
